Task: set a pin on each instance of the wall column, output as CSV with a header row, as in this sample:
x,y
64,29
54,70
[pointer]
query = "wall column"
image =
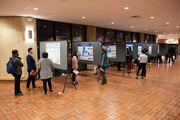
x,y
179,46
141,38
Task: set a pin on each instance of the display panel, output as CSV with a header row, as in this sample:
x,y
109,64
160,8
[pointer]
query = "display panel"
x,y
150,49
139,49
129,45
85,51
57,52
111,49
53,50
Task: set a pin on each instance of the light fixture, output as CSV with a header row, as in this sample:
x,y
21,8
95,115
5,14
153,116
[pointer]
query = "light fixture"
x,y
132,26
152,17
35,8
170,34
126,8
177,26
44,26
112,22
156,31
83,17
167,23
29,34
164,32
175,35
29,18
146,29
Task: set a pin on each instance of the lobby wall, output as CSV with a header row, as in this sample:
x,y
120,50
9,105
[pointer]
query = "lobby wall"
x,y
13,35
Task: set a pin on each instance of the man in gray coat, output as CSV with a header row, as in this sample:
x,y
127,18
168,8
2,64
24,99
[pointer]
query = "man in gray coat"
x,y
18,71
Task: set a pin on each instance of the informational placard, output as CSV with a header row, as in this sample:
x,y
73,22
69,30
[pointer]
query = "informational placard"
x,y
111,49
139,49
150,49
53,50
129,45
85,51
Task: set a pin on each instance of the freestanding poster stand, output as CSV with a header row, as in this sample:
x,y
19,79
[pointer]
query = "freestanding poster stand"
x,y
57,52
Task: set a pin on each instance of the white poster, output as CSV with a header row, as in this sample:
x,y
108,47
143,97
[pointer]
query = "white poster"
x,y
150,49
53,50
111,50
129,45
85,51
158,48
139,49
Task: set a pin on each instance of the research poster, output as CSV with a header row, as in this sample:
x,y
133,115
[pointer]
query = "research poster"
x,y
85,51
53,50
129,45
139,49
150,49
111,49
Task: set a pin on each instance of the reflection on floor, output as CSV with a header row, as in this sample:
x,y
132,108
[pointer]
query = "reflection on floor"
x,y
155,97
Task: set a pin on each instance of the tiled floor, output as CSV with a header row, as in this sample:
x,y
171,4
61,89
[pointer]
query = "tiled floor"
x,y
156,97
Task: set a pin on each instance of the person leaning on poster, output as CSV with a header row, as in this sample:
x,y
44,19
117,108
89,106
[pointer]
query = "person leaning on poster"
x,y
75,67
104,65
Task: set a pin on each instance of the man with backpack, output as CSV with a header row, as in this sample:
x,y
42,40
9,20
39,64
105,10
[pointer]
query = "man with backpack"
x,y
17,65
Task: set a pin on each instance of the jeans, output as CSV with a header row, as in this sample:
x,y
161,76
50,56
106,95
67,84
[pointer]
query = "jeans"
x,y
143,67
17,83
29,80
45,86
103,75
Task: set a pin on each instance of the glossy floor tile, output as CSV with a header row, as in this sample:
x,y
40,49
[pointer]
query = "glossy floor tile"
x,y
155,97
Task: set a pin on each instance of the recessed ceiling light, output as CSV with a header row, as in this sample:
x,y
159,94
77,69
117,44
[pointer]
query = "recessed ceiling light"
x,y
164,32
126,8
167,23
175,35
83,17
112,22
35,8
44,26
156,31
167,37
170,34
146,29
132,26
177,26
152,17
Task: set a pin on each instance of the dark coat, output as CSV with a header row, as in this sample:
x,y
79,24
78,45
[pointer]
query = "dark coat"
x,y
17,64
31,64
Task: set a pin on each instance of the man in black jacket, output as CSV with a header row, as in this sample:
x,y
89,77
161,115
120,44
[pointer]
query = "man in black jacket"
x,y
18,71
31,66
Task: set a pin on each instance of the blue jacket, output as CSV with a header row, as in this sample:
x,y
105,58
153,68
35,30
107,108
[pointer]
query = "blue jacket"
x,y
31,64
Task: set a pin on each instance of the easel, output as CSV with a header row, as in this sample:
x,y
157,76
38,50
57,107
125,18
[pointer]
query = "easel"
x,y
66,81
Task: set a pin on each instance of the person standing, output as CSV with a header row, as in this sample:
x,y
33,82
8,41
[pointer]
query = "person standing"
x,y
143,58
129,59
104,65
46,66
17,64
74,67
31,67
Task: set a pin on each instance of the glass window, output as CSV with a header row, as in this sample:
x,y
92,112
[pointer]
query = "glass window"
x,y
128,36
120,36
110,36
63,31
100,34
135,37
78,33
45,30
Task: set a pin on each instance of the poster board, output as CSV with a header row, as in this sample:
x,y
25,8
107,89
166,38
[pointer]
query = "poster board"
x,y
120,51
135,49
139,48
175,46
92,52
153,48
111,49
57,52
161,49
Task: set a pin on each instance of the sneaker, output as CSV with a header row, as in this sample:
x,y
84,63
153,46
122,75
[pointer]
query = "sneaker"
x,y
102,83
35,86
51,91
18,94
45,93
28,89
142,78
95,73
75,83
136,77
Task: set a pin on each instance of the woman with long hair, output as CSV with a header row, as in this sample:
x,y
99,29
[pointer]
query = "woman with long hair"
x,y
75,66
104,65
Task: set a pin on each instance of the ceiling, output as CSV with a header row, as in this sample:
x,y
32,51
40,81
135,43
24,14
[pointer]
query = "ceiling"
x,y
103,12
